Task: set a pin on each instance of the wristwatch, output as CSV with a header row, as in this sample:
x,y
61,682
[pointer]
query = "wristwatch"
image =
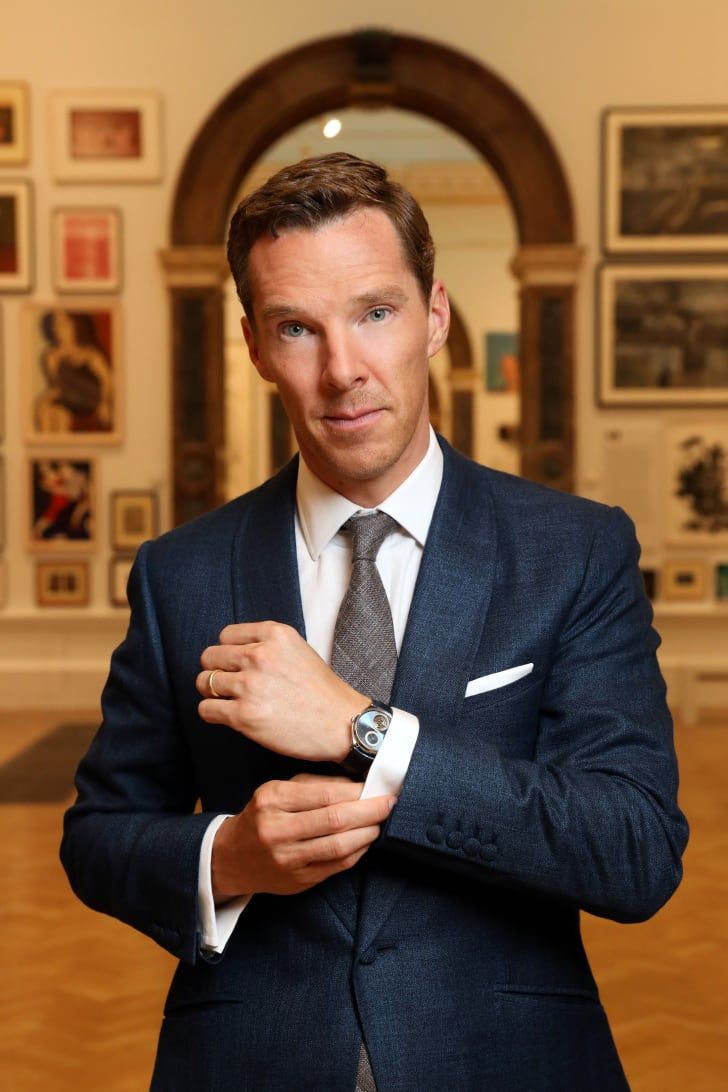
x,y
368,730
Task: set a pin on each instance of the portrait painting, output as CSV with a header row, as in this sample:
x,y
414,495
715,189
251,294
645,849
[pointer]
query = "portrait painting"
x,y
62,583
697,477
71,373
663,335
106,136
666,180
62,503
15,236
501,362
86,249
13,123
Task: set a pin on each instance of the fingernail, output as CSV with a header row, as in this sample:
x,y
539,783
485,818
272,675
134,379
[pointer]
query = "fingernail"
x,y
392,802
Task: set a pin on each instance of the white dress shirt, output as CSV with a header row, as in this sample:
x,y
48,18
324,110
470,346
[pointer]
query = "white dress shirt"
x,y
324,571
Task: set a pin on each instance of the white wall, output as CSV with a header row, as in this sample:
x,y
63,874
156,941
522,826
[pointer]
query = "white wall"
x,y
568,59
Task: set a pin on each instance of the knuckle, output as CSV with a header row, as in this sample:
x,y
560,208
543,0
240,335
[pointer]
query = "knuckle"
x,y
334,818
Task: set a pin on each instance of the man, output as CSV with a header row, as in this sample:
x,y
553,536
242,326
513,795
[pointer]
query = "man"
x,y
330,938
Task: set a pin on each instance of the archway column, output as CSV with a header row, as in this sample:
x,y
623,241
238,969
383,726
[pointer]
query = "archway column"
x,y
547,276
195,277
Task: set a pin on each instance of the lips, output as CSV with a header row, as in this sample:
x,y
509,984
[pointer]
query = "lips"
x,y
352,419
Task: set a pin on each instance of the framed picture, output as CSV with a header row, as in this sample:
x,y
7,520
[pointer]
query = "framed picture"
x,y
134,518
62,583
62,508
71,372
16,210
501,362
86,250
684,581
665,180
119,569
696,466
105,136
721,581
14,144
662,335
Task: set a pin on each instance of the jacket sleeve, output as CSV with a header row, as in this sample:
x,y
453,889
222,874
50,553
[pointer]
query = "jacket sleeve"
x,y
131,842
593,817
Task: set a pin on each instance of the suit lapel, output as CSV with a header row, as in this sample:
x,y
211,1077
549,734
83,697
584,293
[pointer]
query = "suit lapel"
x,y
266,587
444,627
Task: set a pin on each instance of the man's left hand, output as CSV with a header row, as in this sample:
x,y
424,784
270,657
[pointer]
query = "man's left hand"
x,y
277,691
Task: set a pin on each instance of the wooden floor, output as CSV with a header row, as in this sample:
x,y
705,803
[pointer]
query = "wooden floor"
x,y
83,994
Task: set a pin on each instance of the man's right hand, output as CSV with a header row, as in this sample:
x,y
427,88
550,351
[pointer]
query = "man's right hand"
x,y
294,834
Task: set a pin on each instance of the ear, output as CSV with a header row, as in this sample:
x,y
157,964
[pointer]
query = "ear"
x,y
253,351
438,319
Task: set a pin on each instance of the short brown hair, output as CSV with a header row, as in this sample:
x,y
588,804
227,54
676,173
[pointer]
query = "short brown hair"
x,y
318,191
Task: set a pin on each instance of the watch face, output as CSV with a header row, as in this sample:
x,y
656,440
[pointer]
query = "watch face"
x,y
371,728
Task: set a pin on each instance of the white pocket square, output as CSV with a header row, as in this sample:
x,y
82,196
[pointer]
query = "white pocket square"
x,y
497,679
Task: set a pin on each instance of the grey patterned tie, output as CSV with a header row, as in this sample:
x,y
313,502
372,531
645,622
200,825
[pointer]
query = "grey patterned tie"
x,y
365,652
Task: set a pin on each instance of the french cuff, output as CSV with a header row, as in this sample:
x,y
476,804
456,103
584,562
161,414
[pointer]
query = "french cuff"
x,y
389,768
215,923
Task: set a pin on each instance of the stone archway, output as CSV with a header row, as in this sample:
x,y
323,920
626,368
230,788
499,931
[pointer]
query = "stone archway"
x,y
365,68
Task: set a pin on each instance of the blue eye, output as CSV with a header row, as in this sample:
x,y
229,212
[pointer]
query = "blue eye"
x,y
294,329
378,313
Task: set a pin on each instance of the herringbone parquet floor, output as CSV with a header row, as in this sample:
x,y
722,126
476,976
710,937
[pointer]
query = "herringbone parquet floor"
x,y
83,994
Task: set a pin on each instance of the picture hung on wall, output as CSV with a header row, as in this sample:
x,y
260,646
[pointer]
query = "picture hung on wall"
x,y
105,136
86,250
62,583
13,124
62,503
134,518
15,236
665,180
721,581
684,581
663,335
71,372
119,569
697,477
501,362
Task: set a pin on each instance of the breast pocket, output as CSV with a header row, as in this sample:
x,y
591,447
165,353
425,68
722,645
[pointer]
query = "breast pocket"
x,y
507,718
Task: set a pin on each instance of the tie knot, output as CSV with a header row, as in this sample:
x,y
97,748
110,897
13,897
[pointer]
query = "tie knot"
x,y
368,533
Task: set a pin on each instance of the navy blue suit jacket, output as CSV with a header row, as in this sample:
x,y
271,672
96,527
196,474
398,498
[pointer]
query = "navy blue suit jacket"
x,y
456,950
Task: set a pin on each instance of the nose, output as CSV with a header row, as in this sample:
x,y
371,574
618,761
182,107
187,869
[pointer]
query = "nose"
x,y
342,366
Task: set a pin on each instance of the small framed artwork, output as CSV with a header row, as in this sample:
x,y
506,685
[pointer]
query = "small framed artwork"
x,y
662,335
721,581
62,503
105,136
86,250
71,372
501,362
696,465
119,569
13,124
62,583
16,209
665,180
134,518
684,581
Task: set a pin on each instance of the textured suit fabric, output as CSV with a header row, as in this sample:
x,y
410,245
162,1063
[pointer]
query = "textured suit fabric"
x,y
460,957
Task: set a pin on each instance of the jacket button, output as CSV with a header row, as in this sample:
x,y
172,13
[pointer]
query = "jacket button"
x,y
455,839
435,834
471,846
368,956
489,851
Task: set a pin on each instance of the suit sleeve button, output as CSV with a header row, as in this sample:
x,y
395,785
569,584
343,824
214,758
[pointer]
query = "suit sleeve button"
x,y
489,851
435,834
368,956
471,846
455,839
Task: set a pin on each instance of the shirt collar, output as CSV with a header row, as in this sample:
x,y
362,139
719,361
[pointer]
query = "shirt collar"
x,y
321,510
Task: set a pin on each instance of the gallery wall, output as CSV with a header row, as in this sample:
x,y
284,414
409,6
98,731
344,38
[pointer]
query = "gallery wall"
x,y
568,59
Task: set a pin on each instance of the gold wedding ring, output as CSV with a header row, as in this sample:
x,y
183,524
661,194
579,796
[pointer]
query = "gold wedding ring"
x,y
211,685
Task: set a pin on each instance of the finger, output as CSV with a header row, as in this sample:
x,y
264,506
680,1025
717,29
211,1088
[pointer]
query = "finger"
x,y
312,778
336,847
340,818
224,657
216,710
245,633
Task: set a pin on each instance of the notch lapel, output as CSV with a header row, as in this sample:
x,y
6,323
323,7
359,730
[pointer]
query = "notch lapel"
x,y
446,620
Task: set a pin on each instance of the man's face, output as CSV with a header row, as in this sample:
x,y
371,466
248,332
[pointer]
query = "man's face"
x,y
342,329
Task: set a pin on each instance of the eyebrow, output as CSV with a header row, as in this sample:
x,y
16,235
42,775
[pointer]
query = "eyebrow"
x,y
388,293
